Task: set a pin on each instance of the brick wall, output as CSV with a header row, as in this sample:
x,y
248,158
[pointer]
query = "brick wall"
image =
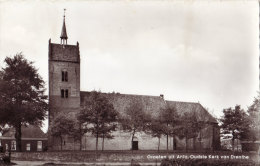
x,y
63,58
33,144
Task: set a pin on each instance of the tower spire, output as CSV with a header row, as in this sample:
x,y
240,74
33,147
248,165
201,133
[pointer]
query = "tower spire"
x,y
63,35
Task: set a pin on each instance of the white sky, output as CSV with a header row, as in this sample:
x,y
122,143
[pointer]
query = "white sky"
x,y
199,50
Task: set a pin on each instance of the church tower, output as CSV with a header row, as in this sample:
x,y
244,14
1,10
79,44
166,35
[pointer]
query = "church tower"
x,y
64,83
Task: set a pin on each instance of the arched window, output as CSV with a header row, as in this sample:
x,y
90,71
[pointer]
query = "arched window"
x,y
64,76
64,93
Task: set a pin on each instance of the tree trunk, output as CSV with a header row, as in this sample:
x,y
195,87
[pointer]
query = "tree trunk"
x,y
85,143
61,142
74,144
159,143
186,141
96,141
18,135
173,141
167,142
132,140
167,136
80,137
200,140
233,144
186,144
194,143
103,139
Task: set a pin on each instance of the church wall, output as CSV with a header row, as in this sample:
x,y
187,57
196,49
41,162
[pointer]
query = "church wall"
x,y
122,141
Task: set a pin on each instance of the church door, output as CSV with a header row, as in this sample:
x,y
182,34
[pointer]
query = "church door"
x,y
135,145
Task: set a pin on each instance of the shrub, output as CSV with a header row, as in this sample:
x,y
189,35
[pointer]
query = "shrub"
x,y
6,159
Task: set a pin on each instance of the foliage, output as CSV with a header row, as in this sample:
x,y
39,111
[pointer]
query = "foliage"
x,y
4,129
63,125
135,120
234,122
169,118
22,99
190,127
253,132
156,129
101,116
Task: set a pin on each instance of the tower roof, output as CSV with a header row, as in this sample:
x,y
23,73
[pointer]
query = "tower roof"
x,y
63,30
63,35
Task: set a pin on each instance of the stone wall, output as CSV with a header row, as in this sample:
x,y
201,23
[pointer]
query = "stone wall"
x,y
113,156
63,58
122,141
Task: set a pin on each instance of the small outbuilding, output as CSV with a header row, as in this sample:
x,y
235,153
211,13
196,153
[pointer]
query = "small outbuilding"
x,y
33,139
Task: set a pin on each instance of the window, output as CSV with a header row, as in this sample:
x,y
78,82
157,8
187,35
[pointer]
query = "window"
x,y
64,93
39,145
64,76
28,147
13,145
6,147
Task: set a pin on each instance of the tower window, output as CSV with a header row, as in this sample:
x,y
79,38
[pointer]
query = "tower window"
x,y
64,76
64,93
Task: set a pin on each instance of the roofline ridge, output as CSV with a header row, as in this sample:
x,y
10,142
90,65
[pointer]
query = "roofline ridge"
x,y
183,101
117,93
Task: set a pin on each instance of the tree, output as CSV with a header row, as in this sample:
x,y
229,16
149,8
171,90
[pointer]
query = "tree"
x,y
100,115
22,99
170,119
106,132
63,125
4,129
253,132
189,127
156,129
135,120
234,123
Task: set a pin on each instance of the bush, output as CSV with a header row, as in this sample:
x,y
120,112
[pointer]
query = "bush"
x,y
6,159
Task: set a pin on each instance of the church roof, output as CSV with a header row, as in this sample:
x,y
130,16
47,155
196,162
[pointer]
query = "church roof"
x,y
27,132
63,31
152,104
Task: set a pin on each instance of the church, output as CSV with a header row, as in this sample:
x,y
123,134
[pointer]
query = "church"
x,y
65,97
